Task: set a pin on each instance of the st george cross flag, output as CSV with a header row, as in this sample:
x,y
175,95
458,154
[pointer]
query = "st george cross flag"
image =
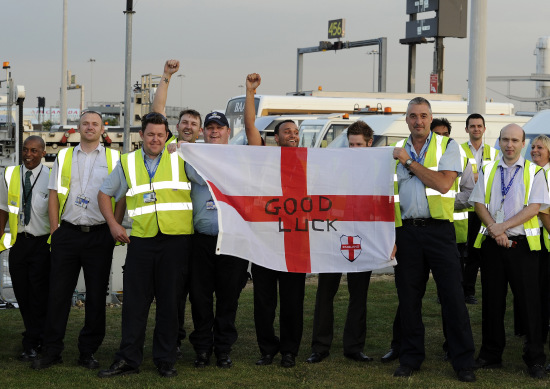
x,y
298,209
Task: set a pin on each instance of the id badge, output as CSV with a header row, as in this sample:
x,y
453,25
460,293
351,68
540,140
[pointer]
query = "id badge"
x,y
149,197
210,205
499,216
82,201
22,218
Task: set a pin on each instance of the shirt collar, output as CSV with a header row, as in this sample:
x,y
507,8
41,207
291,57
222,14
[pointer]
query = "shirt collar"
x,y
34,171
79,148
519,162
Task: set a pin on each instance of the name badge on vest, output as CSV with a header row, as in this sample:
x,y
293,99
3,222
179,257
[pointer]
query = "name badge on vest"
x,y
82,201
210,205
22,218
149,197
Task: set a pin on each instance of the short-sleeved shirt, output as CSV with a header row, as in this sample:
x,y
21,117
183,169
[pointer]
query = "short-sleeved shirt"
x,y
39,223
515,198
412,191
205,213
88,170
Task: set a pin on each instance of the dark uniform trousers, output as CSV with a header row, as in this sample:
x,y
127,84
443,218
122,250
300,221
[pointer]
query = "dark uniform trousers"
x,y
291,316
152,270
520,268
355,329
29,263
72,250
543,282
182,302
223,276
472,259
420,248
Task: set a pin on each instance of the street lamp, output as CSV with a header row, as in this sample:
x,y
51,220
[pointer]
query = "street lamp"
x,y
374,53
91,61
181,89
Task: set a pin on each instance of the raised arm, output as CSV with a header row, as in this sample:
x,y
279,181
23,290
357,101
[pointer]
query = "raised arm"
x,y
159,102
252,82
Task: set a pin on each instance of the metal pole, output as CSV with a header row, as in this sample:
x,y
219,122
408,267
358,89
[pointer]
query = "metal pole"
x,y
438,68
411,82
477,69
373,53
299,72
382,63
127,82
91,61
63,97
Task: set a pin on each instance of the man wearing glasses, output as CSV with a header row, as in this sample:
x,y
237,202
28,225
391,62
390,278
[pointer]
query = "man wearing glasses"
x,y
157,193
79,239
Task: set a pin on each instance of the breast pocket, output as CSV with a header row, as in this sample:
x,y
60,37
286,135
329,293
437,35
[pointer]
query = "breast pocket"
x,y
40,203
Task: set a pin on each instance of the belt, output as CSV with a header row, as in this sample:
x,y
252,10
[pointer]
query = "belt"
x,y
25,234
84,228
423,222
517,238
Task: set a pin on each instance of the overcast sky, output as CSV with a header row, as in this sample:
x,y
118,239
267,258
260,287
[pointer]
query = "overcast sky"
x,y
219,42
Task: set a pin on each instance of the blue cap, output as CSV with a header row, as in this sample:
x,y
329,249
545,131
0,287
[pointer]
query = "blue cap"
x,y
217,117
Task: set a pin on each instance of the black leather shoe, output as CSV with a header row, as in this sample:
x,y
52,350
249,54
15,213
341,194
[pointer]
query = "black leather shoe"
x,y
470,300
288,360
224,361
179,353
358,356
202,360
28,355
166,370
403,371
537,371
481,363
88,361
391,355
466,375
317,357
118,368
265,359
46,362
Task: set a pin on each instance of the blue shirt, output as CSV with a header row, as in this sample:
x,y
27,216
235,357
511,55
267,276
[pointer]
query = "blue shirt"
x,y
412,192
205,214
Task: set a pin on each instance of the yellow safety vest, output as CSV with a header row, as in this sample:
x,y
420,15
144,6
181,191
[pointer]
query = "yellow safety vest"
x,y
64,163
461,217
531,226
545,231
12,175
161,204
441,206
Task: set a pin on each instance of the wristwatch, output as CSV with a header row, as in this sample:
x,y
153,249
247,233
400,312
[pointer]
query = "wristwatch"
x,y
408,163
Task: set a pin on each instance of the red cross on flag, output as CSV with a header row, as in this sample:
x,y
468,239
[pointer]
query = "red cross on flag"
x,y
298,209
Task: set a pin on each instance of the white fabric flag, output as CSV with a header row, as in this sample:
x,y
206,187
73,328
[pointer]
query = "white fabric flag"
x,y
301,210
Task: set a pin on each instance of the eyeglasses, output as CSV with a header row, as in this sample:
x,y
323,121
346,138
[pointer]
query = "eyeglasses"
x,y
91,111
156,115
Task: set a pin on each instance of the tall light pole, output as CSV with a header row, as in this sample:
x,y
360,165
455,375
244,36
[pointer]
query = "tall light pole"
x,y
127,75
63,97
374,53
180,76
91,61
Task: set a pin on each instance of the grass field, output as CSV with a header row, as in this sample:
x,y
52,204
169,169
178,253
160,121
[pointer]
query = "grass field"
x,y
334,372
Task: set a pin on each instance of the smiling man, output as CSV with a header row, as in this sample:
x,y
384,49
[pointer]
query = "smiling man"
x,y
507,201
79,239
157,193
291,285
24,202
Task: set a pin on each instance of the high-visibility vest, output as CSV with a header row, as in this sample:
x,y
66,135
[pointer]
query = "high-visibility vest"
x,y
489,155
544,230
441,206
64,164
461,217
531,226
161,203
12,175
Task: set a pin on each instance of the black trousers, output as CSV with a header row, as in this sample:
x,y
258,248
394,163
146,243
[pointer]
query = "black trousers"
x,y
29,262
355,329
420,249
472,259
182,302
72,250
518,267
223,276
152,271
291,316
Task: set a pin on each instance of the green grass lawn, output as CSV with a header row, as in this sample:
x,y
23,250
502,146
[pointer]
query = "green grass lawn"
x,y
334,372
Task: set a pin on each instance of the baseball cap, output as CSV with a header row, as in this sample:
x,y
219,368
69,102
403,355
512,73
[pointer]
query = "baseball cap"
x,y
217,117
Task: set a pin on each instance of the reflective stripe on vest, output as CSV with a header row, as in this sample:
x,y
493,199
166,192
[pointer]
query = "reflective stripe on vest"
x,y
489,155
461,217
171,210
441,206
531,226
12,175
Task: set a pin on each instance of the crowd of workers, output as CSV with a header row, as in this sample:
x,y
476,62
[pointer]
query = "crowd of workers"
x,y
458,207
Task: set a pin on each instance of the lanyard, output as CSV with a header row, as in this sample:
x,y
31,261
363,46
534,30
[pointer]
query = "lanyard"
x,y
25,198
152,173
504,190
